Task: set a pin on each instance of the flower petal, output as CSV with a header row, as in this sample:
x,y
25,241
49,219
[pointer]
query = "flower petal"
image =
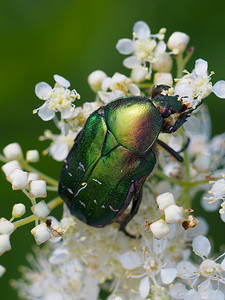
x,y
201,67
216,295
141,30
178,291
59,151
204,288
131,62
130,260
193,295
219,89
168,275
201,245
59,255
42,89
45,113
144,287
62,81
185,269
134,89
66,113
125,46
209,205
222,216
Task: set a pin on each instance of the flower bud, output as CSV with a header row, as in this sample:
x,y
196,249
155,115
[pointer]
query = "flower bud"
x,y
202,162
4,243
38,189
18,210
173,170
163,63
164,200
178,41
32,156
9,167
95,80
6,227
173,214
159,229
163,78
41,233
12,151
19,179
41,210
2,270
139,74
33,176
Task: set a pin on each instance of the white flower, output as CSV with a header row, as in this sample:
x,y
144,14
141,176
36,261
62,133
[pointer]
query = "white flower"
x,y
56,99
32,156
61,144
41,210
139,74
164,200
13,151
9,167
19,179
173,214
217,194
95,80
195,86
6,227
38,188
18,210
4,243
80,115
120,86
33,176
163,78
144,49
41,233
149,266
178,41
159,229
209,268
2,270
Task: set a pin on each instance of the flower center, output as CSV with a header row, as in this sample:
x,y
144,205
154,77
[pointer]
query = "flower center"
x,y
152,265
144,48
60,98
209,268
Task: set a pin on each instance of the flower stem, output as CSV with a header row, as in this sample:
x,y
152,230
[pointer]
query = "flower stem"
x,y
43,176
52,204
3,159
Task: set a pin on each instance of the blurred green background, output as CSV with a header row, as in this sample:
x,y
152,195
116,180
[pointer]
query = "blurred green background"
x,y
72,38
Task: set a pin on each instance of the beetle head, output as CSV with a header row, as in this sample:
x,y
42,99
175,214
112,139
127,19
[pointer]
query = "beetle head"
x,y
168,105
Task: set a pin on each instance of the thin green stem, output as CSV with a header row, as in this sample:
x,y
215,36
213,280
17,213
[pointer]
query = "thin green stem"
x,y
52,188
145,85
24,221
55,202
172,180
52,204
3,159
43,176
32,199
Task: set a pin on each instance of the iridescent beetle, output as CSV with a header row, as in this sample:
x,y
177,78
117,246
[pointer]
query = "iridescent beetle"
x,y
114,154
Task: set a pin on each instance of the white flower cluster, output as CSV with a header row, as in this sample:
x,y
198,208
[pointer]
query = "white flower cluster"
x,y
83,262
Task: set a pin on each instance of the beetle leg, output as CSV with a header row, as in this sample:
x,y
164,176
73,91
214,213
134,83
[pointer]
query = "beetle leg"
x,y
134,209
175,154
185,146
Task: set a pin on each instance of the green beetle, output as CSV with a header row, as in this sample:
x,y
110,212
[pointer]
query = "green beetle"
x,y
114,154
